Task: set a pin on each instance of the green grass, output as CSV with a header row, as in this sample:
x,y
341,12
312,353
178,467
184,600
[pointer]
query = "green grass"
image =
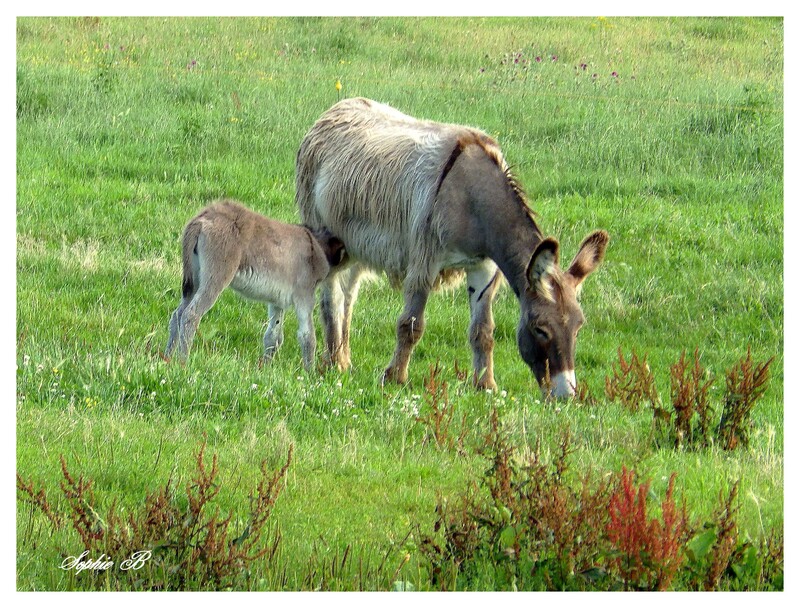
x,y
121,138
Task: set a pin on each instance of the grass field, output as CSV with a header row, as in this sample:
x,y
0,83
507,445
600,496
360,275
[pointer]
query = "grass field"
x,y
667,133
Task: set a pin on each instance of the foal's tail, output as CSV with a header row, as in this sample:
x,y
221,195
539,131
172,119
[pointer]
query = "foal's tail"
x,y
190,236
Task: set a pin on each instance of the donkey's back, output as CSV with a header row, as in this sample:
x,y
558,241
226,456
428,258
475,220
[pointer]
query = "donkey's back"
x,y
371,175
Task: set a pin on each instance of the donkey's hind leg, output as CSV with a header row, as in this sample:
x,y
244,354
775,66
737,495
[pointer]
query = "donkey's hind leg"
x,y
482,283
273,336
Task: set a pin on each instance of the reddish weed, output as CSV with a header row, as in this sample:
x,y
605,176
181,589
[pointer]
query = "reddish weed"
x,y
746,383
190,547
689,392
633,383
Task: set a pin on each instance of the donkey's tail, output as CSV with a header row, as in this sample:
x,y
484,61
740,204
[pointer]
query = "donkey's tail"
x,y
190,236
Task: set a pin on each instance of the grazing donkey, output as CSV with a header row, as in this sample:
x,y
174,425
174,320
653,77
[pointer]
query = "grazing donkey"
x,y
259,258
420,200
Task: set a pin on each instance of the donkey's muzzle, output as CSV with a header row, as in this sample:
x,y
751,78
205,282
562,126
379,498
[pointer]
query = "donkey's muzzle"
x,y
562,385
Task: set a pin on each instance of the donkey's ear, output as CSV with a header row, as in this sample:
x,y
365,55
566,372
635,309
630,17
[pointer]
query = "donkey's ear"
x,y
589,256
543,260
335,251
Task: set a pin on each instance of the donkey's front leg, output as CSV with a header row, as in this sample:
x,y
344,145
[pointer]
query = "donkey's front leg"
x,y
304,307
410,327
273,336
350,279
482,282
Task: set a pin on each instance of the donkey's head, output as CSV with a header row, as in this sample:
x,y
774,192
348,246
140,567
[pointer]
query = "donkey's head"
x,y
551,316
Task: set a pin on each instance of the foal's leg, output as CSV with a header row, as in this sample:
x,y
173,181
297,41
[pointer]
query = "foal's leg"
x,y
273,336
175,319
304,307
215,273
482,282
410,327
173,325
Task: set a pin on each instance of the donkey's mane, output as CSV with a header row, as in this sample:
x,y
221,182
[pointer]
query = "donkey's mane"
x,y
519,194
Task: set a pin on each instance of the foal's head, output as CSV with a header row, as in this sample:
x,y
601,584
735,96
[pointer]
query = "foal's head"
x,y
551,316
334,249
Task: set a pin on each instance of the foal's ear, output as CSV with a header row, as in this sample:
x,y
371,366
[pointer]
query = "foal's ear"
x,y
543,260
589,256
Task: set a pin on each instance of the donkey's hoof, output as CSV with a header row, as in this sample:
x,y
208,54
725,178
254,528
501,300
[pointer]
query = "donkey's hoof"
x,y
340,362
485,383
392,375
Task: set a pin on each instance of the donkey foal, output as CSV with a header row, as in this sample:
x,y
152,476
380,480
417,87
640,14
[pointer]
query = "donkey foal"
x,y
227,245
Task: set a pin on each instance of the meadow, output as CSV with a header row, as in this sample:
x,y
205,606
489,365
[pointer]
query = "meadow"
x,y
666,132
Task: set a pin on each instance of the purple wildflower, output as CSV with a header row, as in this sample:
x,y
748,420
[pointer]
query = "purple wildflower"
x,y
538,59
554,58
584,66
614,75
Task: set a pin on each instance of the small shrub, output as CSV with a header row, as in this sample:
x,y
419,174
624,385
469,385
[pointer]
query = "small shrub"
x,y
726,536
583,395
746,383
692,411
525,525
38,498
633,383
648,551
438,421
692,421
190,547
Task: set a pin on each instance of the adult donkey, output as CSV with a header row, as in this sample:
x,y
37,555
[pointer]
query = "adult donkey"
x,y
424,201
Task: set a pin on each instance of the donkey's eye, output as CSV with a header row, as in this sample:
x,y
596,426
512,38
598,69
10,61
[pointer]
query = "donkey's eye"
x,y
541,334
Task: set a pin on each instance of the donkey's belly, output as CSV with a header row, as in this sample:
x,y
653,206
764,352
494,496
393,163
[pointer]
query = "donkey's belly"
x,y
261,288
455,259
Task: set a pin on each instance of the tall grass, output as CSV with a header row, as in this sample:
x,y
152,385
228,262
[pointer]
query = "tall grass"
x,y
668,133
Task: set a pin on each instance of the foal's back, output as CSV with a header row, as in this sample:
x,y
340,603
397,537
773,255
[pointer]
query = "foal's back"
x,y
267,253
